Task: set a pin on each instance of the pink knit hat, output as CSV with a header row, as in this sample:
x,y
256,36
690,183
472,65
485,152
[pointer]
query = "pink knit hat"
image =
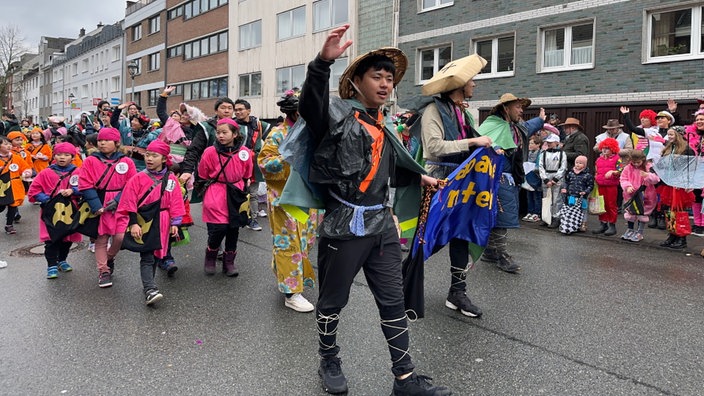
x,y
64,148
109,134
159,147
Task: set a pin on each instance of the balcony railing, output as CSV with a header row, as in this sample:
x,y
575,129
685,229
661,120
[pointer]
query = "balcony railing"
x,y
135,7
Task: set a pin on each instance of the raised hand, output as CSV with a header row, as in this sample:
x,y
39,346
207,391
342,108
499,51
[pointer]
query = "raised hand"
x,y
624,110
167,91
331,48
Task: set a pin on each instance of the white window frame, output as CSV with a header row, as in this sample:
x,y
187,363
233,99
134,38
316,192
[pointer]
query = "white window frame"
x,y
248,39
155,24
137,32
494,64
436,60
155,61
328,10
336,70
249,77
289,70
292,26
567,51
437,5
695,32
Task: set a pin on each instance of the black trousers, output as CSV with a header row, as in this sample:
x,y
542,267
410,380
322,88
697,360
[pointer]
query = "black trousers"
x,y
459,259
11,213
218,232
339,261
56,252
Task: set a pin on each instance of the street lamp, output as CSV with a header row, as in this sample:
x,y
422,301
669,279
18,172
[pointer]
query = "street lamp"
x,y
71,97
132,69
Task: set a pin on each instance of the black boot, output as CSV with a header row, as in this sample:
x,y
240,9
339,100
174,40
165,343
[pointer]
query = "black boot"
x,y
602,229
679,243
661,218
670,238
610,230
653,222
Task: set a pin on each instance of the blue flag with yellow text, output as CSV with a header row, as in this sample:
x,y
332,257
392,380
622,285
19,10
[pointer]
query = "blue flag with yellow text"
x,y
466,207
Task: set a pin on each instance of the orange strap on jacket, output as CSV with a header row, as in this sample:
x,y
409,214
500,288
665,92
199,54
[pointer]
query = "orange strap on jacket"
x,y
376,131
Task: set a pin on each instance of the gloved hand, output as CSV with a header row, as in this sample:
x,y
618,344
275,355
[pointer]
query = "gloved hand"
x,y
111,206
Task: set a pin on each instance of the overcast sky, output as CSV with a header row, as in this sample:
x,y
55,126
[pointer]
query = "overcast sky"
x,y
59,18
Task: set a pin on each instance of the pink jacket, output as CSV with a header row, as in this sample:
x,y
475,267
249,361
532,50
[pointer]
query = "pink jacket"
x,y
45,182
604,165
631,177
171,203
113,183
238,170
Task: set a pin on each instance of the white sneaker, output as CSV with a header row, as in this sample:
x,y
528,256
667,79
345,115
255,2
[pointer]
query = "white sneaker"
x,y
262,213
299,303
91,247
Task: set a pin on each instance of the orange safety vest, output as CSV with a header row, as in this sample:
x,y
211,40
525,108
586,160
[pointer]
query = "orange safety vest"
x,y
376,131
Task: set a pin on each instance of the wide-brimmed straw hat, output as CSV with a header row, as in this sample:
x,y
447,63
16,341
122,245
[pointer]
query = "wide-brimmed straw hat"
x,y
454,75
508,98
572,121
346,90
612,124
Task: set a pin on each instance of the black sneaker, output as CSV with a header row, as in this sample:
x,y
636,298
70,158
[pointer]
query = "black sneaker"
x,y
105,280
489,257
334,380
418,385
111,265
505,263
17,218
459,301
153,296
698,230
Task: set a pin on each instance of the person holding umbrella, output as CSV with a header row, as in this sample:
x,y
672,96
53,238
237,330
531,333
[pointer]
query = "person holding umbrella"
x,y
449,137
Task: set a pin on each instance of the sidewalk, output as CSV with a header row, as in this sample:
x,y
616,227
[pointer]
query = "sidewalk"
x,y
652,236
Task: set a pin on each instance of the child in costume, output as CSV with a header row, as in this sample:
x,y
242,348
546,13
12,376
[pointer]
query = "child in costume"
x,y
634,177
102,178
579,182
60,178
607,175
155,186
12,170
38,150
227,161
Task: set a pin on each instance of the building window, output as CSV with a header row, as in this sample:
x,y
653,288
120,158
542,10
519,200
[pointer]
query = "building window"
x,y
138,61
430,60
154,24
201,47
676,35
175,12
136,32
153,97
569,47
499,53
291,23
116,53
251,84
289,78
336,70
427,5
251,35
207,89
115,84
194,8
154,61
329,13
84,66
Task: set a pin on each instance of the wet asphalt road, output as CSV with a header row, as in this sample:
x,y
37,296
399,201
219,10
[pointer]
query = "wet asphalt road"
x,y
585,317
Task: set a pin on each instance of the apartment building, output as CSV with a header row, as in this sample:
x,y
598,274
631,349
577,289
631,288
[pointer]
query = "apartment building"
x,y
49,48
145,49
25,87
89,70
576,58
273,41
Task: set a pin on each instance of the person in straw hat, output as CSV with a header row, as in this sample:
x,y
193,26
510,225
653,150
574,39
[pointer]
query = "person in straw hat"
x,y
510,135
449,138
576,143
354,159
